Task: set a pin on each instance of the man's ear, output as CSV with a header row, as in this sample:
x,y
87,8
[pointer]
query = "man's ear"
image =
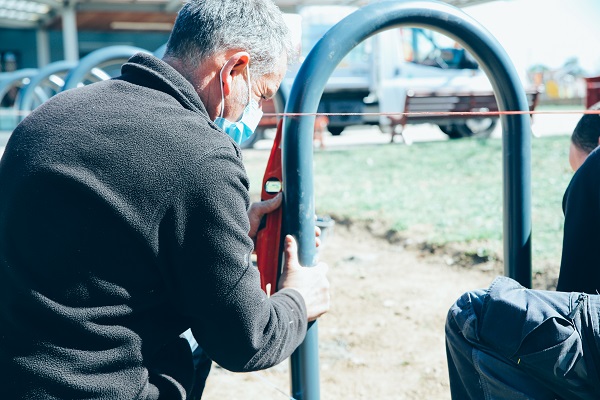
x,y
234,67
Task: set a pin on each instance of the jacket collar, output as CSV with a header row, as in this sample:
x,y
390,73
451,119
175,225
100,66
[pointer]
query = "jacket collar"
x,y
153,72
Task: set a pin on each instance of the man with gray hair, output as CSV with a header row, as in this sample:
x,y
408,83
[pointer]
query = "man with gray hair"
x,y
125,221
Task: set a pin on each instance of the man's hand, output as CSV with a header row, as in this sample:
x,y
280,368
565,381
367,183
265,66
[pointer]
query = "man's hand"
x,y
311,283
258,210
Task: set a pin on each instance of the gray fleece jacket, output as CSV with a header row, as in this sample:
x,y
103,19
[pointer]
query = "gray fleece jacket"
x,y
123,223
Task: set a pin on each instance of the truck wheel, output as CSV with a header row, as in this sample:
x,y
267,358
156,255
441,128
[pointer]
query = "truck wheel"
x,y
450,130
335,130
481,128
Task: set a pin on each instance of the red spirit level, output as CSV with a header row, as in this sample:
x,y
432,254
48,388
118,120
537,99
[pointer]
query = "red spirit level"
x,y
268,238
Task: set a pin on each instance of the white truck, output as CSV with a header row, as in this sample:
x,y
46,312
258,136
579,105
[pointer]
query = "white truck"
x,y
398,71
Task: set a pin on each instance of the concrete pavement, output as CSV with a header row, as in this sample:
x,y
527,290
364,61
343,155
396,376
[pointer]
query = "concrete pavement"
x,y
543,125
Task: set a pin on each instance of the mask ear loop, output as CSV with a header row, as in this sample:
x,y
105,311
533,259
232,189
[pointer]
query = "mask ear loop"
x,y
222,93
249,87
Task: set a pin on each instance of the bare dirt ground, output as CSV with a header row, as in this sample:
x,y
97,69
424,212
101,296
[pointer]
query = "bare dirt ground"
x,y
384,336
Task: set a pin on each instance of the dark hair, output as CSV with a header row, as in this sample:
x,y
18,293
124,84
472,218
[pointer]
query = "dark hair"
x,y
586,133
204,27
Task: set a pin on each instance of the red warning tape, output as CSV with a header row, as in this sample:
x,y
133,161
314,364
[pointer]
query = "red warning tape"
x,y
442,113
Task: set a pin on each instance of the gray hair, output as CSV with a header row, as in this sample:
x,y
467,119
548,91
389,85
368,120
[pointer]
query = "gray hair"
x,y
205,27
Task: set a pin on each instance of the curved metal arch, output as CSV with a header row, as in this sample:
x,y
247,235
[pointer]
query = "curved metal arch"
x,y
32,94
97,60
18,78
297,144
9,80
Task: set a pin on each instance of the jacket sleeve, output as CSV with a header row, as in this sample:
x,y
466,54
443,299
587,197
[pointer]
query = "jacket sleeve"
x,y
214,284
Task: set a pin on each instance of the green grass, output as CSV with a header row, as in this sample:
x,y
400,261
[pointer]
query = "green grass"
x,y
448,191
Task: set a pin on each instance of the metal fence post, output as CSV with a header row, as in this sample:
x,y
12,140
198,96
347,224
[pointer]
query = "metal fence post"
x,y
297,149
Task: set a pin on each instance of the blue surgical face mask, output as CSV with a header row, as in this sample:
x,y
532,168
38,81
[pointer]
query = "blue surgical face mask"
x,y
241,130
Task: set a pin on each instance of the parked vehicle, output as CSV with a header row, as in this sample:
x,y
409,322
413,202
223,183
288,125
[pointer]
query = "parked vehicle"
x,y
397,71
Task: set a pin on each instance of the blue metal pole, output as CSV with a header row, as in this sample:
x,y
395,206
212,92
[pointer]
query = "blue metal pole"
x,y
305,95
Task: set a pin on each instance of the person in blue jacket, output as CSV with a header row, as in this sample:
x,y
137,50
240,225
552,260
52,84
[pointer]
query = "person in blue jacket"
x,y
509,342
